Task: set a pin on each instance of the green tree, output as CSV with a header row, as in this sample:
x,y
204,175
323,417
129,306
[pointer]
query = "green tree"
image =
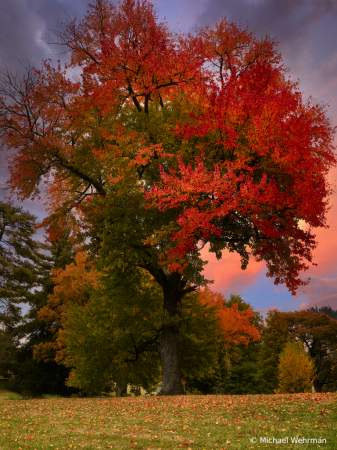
x,y
203,348
115,334
235,326
296,370
8,361
274,338
22,260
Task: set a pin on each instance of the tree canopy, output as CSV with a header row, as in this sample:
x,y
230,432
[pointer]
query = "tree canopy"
x,y
167,142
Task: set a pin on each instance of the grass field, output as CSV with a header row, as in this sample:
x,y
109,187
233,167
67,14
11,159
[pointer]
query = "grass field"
x,y
192,422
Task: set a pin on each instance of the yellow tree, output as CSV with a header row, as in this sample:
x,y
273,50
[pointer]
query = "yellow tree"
x,y
296,370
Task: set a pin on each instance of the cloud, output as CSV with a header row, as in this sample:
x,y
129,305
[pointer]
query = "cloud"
x,y
289,21
24,26
319,287
322,83
329,300
227,274
319,292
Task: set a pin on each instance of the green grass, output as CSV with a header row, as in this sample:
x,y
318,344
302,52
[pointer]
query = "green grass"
x,y
192,422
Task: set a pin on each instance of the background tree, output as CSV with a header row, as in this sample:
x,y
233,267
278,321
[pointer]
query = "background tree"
x,y
274,338
296,370
32,376
8,362
246,151
21,259
319,334
325,310
223,327
71,285
244,369
115,335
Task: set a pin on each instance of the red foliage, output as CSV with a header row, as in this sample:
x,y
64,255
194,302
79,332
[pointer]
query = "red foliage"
x,y
252,165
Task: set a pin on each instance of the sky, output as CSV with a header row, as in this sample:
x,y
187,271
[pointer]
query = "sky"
x,y
307,34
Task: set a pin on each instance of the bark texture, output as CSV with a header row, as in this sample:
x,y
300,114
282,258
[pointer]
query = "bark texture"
x,y
169,352
169,346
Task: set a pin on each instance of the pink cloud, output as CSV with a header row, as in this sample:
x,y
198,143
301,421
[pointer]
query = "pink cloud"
x,y
319,292
329,300
326,252
227,274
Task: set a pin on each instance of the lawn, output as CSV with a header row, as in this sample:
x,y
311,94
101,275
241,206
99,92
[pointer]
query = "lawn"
x,y
192,422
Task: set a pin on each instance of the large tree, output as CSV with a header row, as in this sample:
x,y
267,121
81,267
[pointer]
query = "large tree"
x,y
166,143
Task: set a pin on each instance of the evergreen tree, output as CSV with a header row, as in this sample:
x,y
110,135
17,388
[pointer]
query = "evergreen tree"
x,y
41,377
274,338
8,362
325,310
22,260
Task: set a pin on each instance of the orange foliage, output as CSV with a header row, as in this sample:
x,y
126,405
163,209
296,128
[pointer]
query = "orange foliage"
x,y
72,285
234,324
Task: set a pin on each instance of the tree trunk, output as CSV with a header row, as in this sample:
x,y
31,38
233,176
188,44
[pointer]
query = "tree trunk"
x,y
169,352
317,386
121,388
169,346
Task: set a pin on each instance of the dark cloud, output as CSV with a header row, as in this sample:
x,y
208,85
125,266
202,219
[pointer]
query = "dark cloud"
x,y
25,25
24,29
290,21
